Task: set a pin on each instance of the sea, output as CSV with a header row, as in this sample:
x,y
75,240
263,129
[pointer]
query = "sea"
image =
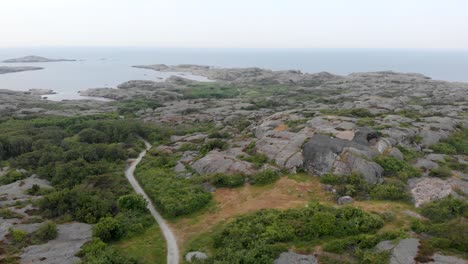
x,y
98,67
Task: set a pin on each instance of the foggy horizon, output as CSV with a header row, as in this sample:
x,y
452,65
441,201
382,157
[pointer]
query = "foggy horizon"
x,y
209,24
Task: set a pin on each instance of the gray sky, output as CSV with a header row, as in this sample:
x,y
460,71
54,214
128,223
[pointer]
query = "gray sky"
x,y
428,24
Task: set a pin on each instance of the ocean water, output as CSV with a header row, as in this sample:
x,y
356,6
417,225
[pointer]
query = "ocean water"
x,y
108,67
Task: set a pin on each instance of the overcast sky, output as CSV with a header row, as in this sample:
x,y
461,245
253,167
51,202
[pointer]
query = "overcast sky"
x,y
428,24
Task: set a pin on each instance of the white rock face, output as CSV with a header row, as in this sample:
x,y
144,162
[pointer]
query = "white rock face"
x,y
71,237
294,258
217,162
284,147
428,189
405,251
15,191
195,255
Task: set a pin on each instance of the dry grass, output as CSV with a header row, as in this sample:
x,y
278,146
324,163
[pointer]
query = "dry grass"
x,y
285,193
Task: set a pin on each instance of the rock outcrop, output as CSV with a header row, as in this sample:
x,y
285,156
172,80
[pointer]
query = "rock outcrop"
x,y
324,154
61,250
217,162
294,258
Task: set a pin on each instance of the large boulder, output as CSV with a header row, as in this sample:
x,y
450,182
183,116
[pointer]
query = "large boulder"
x,y
218,162
195,255
284,147
324,154
294,258
405,251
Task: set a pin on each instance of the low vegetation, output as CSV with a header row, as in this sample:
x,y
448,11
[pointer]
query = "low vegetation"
x,y
174,196
259,237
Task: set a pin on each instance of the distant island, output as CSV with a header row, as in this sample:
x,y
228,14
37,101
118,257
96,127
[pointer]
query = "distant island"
x,y
6,69
30,59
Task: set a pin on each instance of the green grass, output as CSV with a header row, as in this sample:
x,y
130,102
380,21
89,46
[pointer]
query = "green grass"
x,y
149,247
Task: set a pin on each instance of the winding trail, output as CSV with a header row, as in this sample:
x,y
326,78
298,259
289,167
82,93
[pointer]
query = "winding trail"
x,y
172,248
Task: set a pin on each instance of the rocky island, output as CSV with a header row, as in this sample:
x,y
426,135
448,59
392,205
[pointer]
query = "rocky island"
x,y
7,69
255,166
33,59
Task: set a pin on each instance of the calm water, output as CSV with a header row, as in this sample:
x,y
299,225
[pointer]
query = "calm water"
x,y
108,67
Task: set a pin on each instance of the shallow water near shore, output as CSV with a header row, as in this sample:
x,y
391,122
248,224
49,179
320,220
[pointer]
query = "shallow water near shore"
x,y
108,67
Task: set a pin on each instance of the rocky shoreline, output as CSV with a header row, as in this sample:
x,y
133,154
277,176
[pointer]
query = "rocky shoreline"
x,y
34,59
7,69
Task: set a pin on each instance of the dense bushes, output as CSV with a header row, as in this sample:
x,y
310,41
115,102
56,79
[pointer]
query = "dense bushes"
x,y
46,232
356,112
445,209
254,238
210,90
133,202
447,226
356,186
79,203
107,229
353,185
394,167
358,242
130,107
441,172
257,159
97,252
393,191
223,180
456,143
218,144
172,195
265,177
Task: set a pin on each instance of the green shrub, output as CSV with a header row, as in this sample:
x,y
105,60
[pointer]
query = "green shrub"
x,y
212,145
18,236
261,236
371,257
265,177
445,209
218,134
257,159
133,202
188,147
441,172
456,143
250,148
356,112
107,229
395,167
9,214
231,181
46,232
390,191
444,148
173,195
330,178
133,222
98,252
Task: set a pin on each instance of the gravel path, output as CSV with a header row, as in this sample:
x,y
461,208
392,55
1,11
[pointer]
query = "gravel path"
x,y
172,248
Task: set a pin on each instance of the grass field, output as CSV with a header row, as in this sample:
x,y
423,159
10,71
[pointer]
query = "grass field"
x,y
149,247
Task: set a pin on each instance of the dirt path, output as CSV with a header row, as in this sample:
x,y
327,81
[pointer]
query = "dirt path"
x,y
172,248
